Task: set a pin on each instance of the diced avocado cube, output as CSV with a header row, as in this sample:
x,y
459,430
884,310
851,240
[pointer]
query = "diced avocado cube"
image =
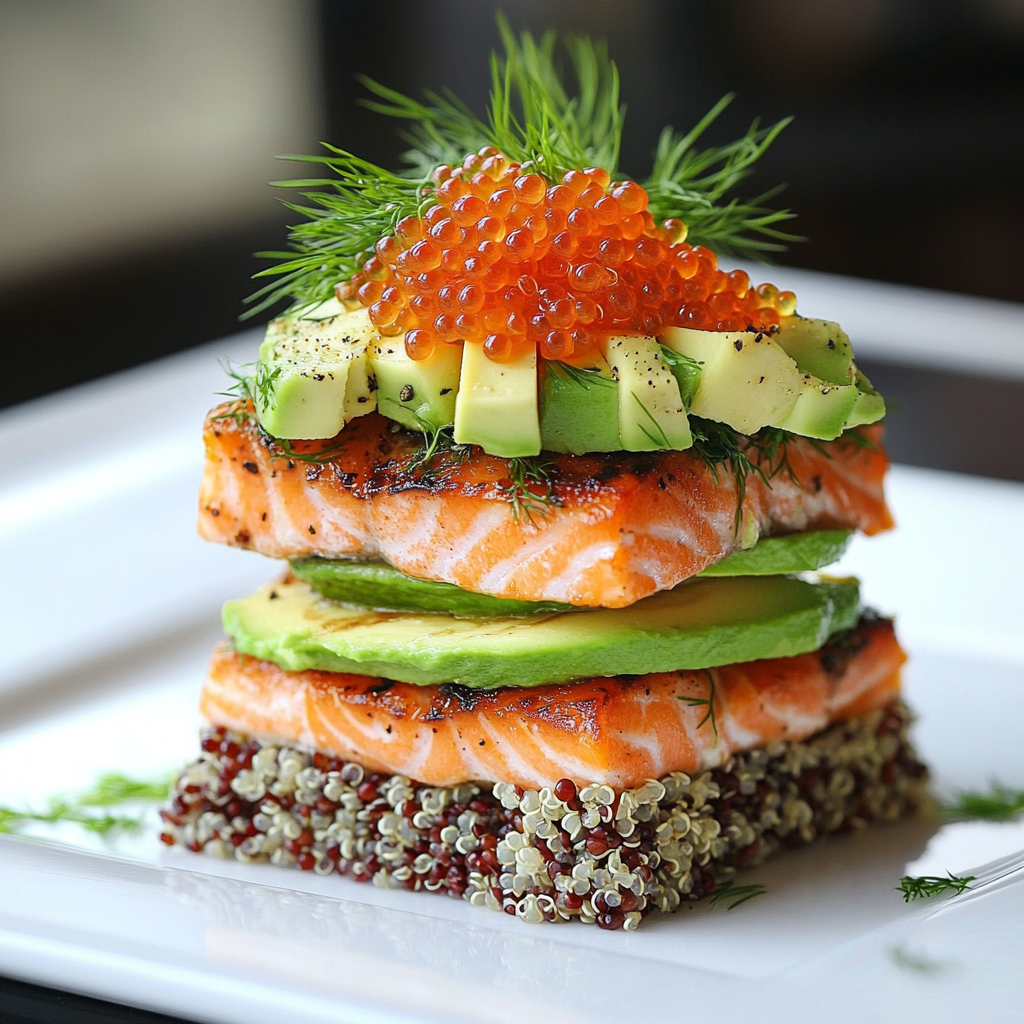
x,y
870,406
496,406
418,393
316,374
821,410
651,411
818,347
747,380
579,405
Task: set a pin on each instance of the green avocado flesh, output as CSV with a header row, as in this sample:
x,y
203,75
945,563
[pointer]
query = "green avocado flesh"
x,y
700,624
773,556
579,406
380,586
321,368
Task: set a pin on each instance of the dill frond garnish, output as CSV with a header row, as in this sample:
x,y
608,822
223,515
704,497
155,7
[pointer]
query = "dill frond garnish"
x,y
1000,803
282,449
531,489
692,184
109,791
532,116
581,376
439,454
733,894
253,386
764,454
705,702
342,225
536,116
926,886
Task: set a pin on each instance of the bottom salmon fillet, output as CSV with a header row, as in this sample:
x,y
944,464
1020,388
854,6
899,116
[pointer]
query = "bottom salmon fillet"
x,y
593,854
618,732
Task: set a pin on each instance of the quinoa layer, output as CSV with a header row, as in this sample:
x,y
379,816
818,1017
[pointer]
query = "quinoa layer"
x,y
595,854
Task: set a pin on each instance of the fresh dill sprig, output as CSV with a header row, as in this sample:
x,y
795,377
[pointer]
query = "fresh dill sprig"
x,y
1000,803
581,376
342,225
718,444
692,184
733,894
439,454
708,702
531,115
284,450
926,886
531,488
253,385
538,117
109,791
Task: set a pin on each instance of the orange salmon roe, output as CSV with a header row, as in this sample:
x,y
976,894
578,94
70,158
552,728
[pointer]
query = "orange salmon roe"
x,y
504,259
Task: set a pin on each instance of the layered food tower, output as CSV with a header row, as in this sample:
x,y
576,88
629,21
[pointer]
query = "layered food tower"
x,y
553,488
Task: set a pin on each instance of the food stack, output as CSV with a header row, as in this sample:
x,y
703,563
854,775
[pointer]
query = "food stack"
x,y
554,491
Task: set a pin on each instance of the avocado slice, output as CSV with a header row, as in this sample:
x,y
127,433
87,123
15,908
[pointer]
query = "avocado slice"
x,y
418,393
699,624
579,405
794,552
381,586
747,379
651,411
496,406
315,372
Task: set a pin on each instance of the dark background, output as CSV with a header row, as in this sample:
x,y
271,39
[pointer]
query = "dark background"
x,y
905,164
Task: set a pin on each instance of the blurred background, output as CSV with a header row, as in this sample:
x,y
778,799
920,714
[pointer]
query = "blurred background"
x,y
137,136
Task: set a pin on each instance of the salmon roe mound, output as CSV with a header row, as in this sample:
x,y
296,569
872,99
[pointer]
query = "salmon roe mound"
x,y
504,259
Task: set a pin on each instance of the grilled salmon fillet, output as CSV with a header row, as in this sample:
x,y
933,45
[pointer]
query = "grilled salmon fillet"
x,y
618,731
588,530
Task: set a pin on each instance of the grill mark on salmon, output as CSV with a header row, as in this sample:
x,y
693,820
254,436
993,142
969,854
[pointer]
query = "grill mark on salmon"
x,y
626,525
619,731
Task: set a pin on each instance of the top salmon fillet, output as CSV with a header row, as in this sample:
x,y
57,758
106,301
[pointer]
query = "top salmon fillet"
x,y
591,530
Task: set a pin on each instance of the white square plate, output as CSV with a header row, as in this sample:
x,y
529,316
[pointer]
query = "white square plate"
x,y
110,609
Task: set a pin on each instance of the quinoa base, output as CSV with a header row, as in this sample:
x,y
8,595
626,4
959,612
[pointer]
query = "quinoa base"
x,y
559,853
